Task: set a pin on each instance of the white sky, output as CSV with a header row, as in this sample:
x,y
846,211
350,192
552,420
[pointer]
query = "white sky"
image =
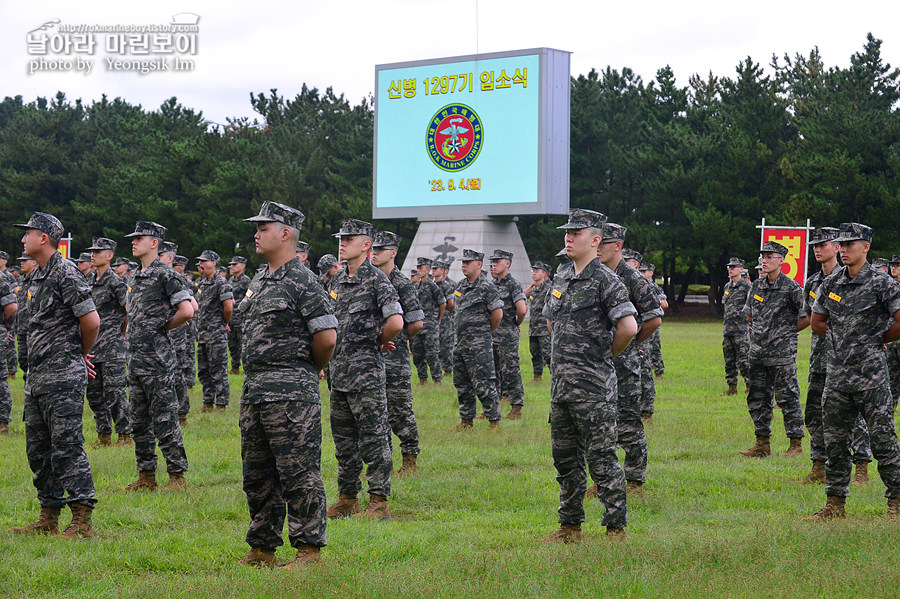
x,y
255,46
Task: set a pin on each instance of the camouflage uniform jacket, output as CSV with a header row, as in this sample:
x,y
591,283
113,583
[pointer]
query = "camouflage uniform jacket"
x,y
153,297
109,293
183,336
775,309
734,300
818,362
448,286
510,292
583,310
431,298
239,286
22,300
859,310
362,303
474,304
57,297
280,314
211,292
536,300
412,312
645,300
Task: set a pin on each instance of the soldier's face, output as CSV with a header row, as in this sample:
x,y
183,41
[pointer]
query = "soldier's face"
x,y
895,270
207,268
121,269
270,237
735,271
101,258
771,262
382,255
581,243
141,245
28,266
179,268
471,268
499,268
32,241
353,246
826,250
422,271
84,267
236,269
537,275
854,252
648,274
609,249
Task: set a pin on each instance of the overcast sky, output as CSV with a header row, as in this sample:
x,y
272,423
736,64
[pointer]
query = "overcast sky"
x,y
245,47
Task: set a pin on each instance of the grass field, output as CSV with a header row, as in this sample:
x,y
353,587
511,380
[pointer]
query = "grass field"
x,y
712,524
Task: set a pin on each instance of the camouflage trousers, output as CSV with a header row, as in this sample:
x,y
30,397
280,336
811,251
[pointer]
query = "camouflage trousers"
x,y
185,373
54,444
509,372
859,439
448,342
656,357
234,344
359,425
107,395
841,411
735,348
212,370
474,376
426,352
778,382
12,362
154,419
400,413
893,362
5,397
585,431
539,345
629,425
648,383
22,342
281,453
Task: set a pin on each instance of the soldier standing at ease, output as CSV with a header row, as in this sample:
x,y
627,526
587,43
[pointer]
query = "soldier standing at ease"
x,y
398,374
736,330
328,265
893,349
157,303
303,253
426,346
369,315
288,335
857,309
776,312
22,316
216,306
83,262
506,337
185,349
182,337
448,323
11,367
63,328
107,392
479,310
592,320
239,284
9,306
538,333
650,349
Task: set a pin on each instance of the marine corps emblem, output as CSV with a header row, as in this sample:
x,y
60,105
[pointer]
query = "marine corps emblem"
x,y
454,137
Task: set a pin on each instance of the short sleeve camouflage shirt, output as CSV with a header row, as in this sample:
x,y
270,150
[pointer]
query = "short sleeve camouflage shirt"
x,y
775,308
474,304
734,300
211,292
109,293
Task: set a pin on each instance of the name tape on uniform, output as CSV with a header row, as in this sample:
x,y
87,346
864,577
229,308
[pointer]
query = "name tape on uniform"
x,y
333,295
835,297
457,293
813,295
757,298
557,294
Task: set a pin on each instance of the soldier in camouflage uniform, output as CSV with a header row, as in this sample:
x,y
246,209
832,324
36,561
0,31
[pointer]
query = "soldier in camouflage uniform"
x,y
63,327
216,302
538,333
448,323
157,303
9,306
893,349
83,262
736,330
22,317
303,253
479,310
185,348
239,284
426,346
506,337
592,320
182,337
857,308
120,268
107,392
629,424
288,336
649,349
327,266
776,311
369,315
396,362
10,351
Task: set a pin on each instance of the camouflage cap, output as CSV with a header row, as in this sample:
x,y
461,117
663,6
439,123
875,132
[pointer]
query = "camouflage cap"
x,y
353,226
386,239
855,232
14,267
541,266
472,255
326,262
132,264
120,261
895,259
149,228
440,264
420,261
83,257
757,267
4,255
630,254
273,212
167,247
180,260
613,231
45,223
745,273
208,255
773,247
580,218
501,255
237,260
562,253
103,243
23,257
302,247
881,263
734,261
823,234
647,266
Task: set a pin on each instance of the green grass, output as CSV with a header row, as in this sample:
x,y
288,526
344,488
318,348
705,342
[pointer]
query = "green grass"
x,y
712,524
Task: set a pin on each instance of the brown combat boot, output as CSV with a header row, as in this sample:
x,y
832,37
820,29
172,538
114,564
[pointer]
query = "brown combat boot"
x,y
423,382
4,428
615,533
377,509
438,383
893,511
103,440
494,425
504,398
647,418
816,475
834,509
464,425
219,408
124,439
634,489
80,527
260,558
592,492
795,449
732,390
206,408
234,371
515,413
344,507
760,450
481,417
146,482
182,420
46,524
176,482
306,555
538,378
409,465
567,533
862,474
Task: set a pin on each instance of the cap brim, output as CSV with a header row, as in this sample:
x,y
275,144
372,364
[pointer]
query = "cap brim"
x,y
843,239
136,234
25,226
96,249
260,219
571,226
